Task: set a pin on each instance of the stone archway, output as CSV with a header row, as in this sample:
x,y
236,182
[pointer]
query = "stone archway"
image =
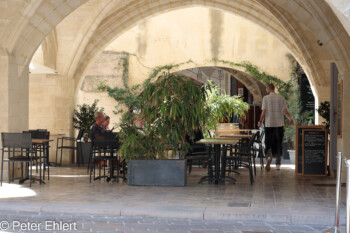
x,y
27,23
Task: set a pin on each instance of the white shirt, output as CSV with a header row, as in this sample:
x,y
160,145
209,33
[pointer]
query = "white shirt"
x,y
274,104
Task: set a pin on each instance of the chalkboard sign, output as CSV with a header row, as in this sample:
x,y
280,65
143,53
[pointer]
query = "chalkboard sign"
x,y
299,146
315,152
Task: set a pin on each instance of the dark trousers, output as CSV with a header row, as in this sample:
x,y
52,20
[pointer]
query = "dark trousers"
x,y
273,142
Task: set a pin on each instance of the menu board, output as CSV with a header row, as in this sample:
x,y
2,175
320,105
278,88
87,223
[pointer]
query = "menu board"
x,y
314,152
299,146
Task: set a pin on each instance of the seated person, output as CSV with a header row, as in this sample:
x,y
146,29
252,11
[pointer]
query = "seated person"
x,y
106,122
98,129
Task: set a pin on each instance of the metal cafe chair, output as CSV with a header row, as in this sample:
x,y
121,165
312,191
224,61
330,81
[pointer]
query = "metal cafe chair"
x,y
104,151
258,148
41,149
243,157
67,143
18,148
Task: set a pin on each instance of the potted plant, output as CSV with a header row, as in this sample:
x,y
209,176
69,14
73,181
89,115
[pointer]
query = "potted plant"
x,y
222,107
170,108
163,113
83,120
292,95
324,111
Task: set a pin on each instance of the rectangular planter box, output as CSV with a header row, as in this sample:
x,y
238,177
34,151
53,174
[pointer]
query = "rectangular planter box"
x,y
170,172
83,152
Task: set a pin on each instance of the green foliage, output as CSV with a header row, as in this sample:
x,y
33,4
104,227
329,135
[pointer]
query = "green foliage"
x,y
222,106
295,110
324,111
84,116
171,109
124,61
262,76
289,90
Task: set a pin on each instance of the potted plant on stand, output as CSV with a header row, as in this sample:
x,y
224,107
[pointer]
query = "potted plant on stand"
x,y
83,120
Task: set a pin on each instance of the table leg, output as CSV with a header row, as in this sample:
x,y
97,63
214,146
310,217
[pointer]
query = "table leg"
x,y
217,162
223,177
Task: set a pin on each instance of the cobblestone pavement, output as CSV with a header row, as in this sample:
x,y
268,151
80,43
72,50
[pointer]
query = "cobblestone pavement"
x,y
104,223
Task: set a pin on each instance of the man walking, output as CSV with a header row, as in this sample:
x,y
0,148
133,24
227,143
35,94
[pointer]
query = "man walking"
x,y
273,107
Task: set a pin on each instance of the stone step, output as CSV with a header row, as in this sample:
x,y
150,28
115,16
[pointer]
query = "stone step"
x,y
307,215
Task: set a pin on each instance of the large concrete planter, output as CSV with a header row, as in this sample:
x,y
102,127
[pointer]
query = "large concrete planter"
x,y
292,156
83,152
170,172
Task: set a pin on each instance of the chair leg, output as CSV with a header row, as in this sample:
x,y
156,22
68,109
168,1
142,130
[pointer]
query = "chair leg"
x,y
8,170
30,173
210,170
251,175
90,161
254,165
57,150
13,170
40,169
22,169
48,162
190,168
61,152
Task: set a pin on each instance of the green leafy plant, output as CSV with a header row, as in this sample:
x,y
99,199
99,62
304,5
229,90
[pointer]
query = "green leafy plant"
x,y
324,111
166,110
295,110
262,76
171,108
222,106
84,116
289,90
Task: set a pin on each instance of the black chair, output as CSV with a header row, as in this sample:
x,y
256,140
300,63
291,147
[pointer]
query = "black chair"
x,y
42,150
200,153
67,143
258,148
106,152
243,156
18,147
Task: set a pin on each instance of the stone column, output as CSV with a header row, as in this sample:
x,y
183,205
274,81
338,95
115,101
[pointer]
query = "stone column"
x,y
14,94
343,144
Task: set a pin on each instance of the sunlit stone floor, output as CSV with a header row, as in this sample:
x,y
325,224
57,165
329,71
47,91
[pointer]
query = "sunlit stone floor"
x,y
276,196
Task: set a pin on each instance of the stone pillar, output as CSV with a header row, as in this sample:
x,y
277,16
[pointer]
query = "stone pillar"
x,y
14,92
344,141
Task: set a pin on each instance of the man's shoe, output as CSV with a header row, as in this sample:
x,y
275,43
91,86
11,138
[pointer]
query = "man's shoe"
x,y
278,167
268,162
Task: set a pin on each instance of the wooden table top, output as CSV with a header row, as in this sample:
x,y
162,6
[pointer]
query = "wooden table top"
x,y
41,141
226,141
234,136
236,130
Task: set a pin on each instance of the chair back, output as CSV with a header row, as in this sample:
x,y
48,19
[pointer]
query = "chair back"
x,y
80,134
250,144
39,134
16,140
